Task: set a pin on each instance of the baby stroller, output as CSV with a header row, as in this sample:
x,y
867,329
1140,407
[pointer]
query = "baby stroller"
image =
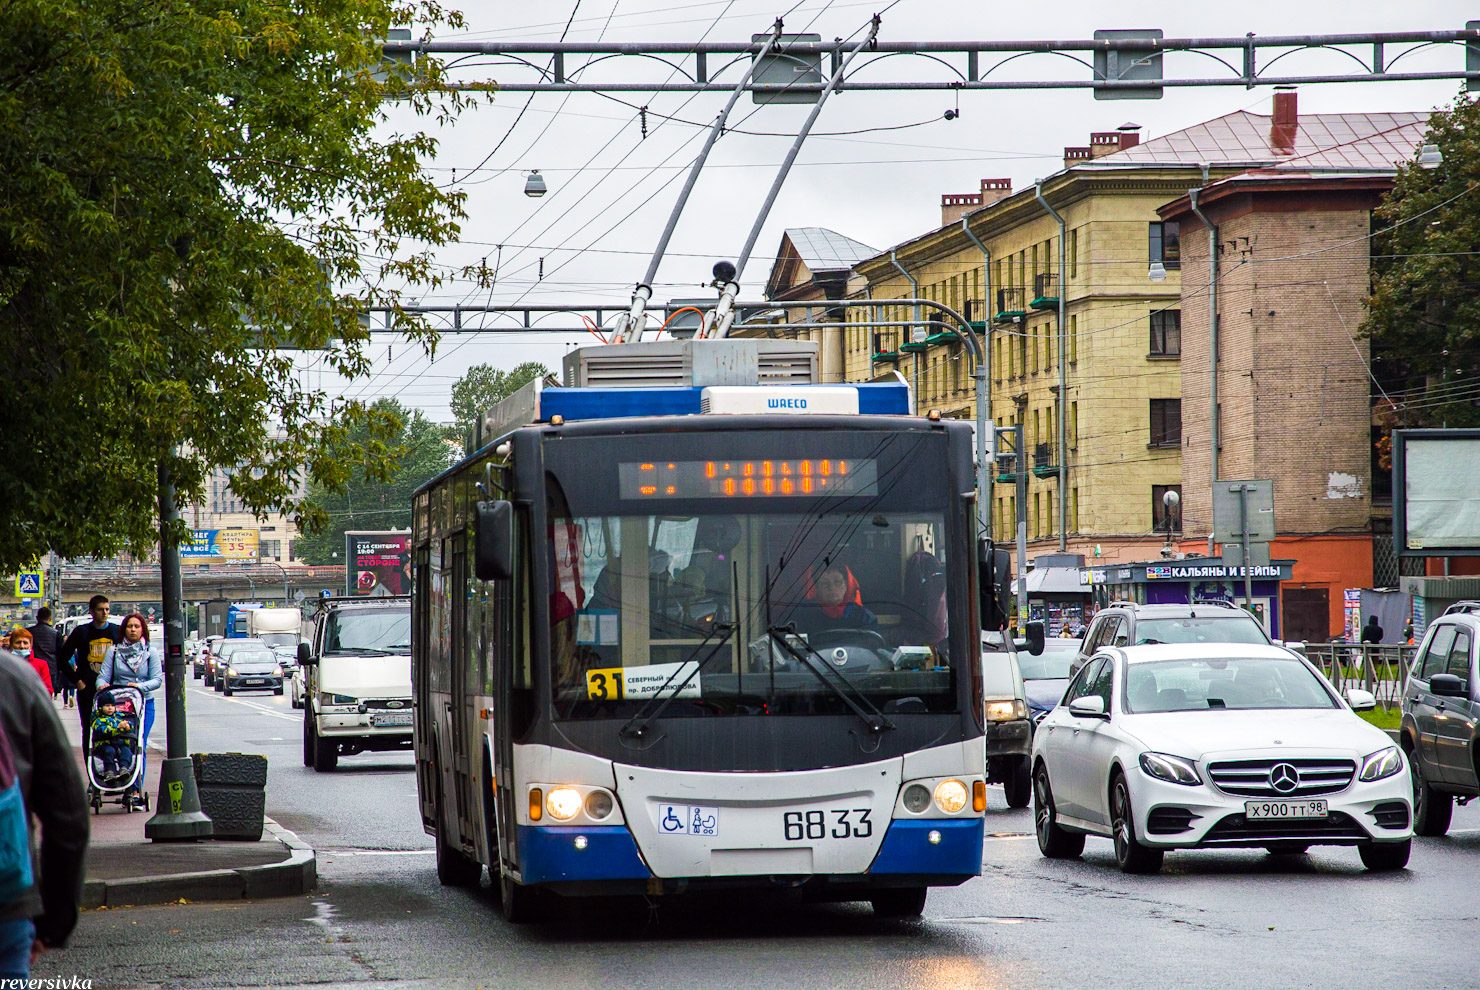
x,y
124,787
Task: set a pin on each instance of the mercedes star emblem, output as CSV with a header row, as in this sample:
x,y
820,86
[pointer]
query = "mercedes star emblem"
x,y
1284,778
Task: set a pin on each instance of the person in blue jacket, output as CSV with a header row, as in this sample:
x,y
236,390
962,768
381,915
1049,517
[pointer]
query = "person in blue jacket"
x,y
133,662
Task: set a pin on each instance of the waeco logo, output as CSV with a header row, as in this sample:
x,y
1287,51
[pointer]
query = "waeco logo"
x,y
786,403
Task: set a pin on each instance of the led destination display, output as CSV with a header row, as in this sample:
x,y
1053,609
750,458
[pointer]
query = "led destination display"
x,y
832,476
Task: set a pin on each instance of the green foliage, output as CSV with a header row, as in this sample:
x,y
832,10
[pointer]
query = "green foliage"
x,y
1424,312
419,451
484,385
188,192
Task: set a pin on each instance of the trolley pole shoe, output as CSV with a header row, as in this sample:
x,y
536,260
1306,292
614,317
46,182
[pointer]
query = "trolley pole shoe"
x,y
178,817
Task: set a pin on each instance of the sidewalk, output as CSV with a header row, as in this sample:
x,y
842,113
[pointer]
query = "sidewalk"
x,y
125,869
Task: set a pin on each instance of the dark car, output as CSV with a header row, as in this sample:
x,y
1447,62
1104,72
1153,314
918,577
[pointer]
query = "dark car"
x,y
1441,718
251,669
220,656
1046,676
1132,624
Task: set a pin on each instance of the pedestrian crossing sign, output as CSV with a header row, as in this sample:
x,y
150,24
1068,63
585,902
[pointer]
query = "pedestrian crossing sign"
x,y
29,584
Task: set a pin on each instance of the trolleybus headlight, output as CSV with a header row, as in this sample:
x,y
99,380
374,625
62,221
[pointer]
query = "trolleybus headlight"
x,y
916,798
563,803
951,796
598,805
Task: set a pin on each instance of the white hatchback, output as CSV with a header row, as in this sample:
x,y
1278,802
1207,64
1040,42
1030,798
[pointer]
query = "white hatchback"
x,y
1215,745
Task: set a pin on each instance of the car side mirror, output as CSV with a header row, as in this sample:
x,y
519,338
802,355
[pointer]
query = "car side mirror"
x,y
1089,706
493,558
1034,631
1360,700
305,656
1448,686
994,585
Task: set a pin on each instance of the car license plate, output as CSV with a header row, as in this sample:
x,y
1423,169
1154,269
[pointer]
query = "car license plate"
x,y
254,680
1284,809
395,718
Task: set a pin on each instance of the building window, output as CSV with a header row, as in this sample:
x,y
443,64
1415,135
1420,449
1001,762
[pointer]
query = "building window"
x,y
1166,423
1073,251
1166,332
1073,339
1074,510
1160,514
270,549
1166,245
1074,425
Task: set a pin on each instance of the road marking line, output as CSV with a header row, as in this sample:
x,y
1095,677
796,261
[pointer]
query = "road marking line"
x,y
377,852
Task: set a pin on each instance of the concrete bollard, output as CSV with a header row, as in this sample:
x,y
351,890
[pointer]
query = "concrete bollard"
x,y
233,792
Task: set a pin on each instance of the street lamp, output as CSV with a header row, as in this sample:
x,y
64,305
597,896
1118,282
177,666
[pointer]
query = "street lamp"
x,y
534,186
1170,500
1157,272
1429,156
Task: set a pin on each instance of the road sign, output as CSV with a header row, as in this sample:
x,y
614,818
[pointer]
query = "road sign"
x,y
29,584
1259,512
1233,555
1129,62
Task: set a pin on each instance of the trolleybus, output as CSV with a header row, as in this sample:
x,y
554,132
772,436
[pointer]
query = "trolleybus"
x,y
672,652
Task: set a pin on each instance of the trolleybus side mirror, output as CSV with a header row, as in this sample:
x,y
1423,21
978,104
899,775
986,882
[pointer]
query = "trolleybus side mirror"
x,y
994,584
494,557
1034,630
305,655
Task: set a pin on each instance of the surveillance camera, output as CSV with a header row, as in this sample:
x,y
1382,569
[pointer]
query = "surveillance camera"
x,y
724,271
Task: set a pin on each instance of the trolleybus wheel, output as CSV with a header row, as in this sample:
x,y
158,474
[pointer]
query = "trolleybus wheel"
x,y
455,868
899,902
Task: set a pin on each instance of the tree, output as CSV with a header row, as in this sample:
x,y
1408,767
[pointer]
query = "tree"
x,y
1424,312
189,193
419,452
484,385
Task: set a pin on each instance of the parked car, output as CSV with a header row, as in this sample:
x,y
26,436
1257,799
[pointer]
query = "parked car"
x,y
1441,718
1130,624
221,659
1215,746
1046,676
251,669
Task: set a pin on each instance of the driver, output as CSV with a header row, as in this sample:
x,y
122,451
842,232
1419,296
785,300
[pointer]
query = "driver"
x,y
834,602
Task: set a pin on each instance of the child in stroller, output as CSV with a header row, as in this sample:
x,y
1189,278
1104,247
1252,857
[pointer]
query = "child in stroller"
x,y
116,759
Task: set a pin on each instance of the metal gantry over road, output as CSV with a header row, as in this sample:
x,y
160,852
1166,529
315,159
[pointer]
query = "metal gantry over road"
x,y
1116,64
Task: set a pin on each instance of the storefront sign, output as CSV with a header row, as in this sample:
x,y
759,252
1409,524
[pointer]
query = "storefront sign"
x,y
1189,573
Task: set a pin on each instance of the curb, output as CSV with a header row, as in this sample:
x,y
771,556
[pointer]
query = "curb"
x,y
298,874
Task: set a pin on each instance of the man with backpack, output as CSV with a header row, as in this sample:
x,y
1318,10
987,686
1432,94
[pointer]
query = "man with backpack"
x,y
38,779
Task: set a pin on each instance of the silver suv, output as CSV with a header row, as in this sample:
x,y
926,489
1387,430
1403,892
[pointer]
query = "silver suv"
x,y
1130,624
1441,712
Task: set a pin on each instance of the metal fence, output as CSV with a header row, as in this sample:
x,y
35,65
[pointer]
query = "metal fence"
x,y
1383,670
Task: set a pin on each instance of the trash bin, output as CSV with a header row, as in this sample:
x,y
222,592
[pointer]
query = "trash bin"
x,y
233,793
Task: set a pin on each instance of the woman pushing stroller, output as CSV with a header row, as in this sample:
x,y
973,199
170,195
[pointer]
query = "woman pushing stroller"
x,y
133,663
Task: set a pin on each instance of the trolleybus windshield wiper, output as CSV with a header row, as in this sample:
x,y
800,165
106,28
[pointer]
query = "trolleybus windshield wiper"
x,y
637,726
876,720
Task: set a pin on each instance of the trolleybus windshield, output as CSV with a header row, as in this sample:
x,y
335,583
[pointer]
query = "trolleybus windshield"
x,y
724,569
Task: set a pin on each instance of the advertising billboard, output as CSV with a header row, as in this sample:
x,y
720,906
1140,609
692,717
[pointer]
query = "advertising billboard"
x,y
1436,478
213,545
377,564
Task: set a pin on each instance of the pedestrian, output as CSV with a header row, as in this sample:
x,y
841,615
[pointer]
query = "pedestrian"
x,y
20,645
1372,632
44,641
133,662
39,900
81,659
1408,634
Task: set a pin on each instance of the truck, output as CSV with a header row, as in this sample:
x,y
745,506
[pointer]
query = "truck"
x,y
356,670
279,628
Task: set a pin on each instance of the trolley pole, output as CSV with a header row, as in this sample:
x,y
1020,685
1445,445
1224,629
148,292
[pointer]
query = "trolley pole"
x,y
177,814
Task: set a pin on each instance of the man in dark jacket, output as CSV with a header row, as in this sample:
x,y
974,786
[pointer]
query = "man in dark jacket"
x,y
44,640
52,786
81,660
1372,632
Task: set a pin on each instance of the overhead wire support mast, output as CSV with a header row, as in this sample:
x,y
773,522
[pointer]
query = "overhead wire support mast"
x,y
633,323
1241,57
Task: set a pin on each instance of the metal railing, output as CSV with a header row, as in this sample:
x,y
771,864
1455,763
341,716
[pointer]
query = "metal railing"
x,y
1383,670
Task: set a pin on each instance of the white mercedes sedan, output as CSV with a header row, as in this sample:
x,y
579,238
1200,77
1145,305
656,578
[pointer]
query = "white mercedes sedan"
x,y
1217,745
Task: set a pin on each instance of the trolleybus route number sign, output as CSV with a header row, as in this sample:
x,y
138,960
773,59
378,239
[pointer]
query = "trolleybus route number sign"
x,y
616,683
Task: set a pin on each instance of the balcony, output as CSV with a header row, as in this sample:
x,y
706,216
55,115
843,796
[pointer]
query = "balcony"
x,y
1045,291
1010,306
1043,465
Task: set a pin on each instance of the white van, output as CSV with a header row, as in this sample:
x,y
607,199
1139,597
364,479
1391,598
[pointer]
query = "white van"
x,y
357,680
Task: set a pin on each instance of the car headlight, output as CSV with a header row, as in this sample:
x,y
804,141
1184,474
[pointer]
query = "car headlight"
x,y
563,803
951,796
231,671
1383,763
1172,769
278,670
325,698
1006,711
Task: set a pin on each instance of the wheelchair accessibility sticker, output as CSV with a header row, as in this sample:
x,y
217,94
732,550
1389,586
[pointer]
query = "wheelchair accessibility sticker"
x,y
683,819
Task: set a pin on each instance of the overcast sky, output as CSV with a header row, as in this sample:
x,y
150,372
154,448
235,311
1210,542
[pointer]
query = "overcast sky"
x,y
611,189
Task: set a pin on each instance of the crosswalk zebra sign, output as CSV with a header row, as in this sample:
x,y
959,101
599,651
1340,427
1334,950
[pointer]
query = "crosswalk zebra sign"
x,y
28,584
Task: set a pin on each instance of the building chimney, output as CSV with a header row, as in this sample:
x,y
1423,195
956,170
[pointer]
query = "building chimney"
x,y
1130,135
1285,123
954,206
1073,156
1103,143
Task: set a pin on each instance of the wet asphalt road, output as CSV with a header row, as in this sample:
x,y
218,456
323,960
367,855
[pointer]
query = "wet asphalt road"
x,y
380,919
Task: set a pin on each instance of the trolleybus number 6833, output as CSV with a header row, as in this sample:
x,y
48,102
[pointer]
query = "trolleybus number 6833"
x,y
800,825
